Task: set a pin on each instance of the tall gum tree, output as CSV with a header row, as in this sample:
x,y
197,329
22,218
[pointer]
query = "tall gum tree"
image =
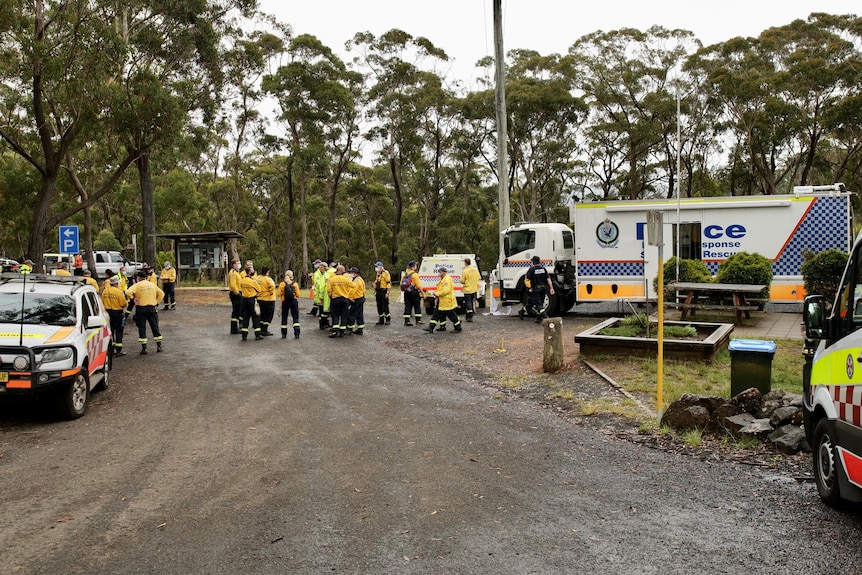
x,y
57,65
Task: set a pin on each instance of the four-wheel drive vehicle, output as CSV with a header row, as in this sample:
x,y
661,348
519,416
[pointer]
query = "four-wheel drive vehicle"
x,y
55,340
111,260
832,385
8,265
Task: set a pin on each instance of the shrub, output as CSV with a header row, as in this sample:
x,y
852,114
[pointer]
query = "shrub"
x,y
822,272
689,271
746,268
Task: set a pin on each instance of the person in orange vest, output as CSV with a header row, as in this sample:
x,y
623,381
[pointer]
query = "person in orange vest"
x,y
78,265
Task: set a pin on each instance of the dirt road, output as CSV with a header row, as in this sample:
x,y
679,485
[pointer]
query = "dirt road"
x,y
391,452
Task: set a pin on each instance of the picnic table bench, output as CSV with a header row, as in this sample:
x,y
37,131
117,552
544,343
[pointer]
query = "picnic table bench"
x,y
710,296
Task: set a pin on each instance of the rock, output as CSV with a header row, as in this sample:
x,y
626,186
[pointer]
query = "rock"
x,y
784,415
690,417
736,422
691,412
759,428
789,439
726,410
793,400
749,400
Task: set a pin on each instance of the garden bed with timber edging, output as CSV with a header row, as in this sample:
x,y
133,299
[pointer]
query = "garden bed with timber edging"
x,y
710,338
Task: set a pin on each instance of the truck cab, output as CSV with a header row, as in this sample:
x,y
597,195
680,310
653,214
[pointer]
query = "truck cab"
x,y
554,243
832,385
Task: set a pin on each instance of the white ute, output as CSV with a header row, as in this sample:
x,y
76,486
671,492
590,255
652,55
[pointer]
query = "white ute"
x,y
55,340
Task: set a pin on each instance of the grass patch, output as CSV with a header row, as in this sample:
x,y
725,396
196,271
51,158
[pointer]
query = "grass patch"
x,y
626,407
566,394
638,375
692,437
511,381
638,325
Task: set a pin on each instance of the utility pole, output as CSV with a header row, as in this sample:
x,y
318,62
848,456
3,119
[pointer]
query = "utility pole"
x,y
502,128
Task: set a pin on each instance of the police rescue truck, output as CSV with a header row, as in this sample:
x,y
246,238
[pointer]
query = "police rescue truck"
x,y
605,256
832,385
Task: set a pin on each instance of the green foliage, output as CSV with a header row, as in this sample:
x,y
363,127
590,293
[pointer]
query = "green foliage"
x,y
746,268
639,325
822,272
689,271
107,241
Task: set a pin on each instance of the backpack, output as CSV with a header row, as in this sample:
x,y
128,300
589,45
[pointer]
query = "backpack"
x,y
407,282
289,294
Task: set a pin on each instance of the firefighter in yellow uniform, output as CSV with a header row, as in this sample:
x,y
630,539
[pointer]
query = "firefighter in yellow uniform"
x,y
469,287
169,280
356,313
115,302
340,289
446,304
88,278
265,300
382,285
233,279
249,288
148,296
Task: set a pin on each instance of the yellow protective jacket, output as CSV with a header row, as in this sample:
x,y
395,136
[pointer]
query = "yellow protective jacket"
x,y
153,278
233,280
114,298
318,281
470,279
249,287
146,293
340,286
267,288
446,294
358,288
92,282
168,275
282,287
383,280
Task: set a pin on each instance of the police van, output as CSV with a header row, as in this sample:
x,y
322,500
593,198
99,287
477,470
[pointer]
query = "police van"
x,y
429,275
832,385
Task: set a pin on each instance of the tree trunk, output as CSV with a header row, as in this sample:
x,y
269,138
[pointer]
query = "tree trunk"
x,y
38,227
399,210
148,209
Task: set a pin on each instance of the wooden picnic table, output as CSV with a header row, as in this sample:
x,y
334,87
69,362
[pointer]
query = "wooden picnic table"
x,y
711,295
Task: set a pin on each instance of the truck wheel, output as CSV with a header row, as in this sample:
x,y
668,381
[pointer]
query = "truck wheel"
x,y
552,304
826,464
75,397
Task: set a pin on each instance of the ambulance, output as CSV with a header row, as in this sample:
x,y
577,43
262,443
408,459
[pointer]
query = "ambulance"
x,y
832,385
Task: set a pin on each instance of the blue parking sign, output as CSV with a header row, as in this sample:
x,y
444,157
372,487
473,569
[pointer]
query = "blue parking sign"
x,y
69,240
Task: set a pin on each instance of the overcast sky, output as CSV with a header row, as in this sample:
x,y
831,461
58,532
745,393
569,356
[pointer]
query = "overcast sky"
x,y
464,28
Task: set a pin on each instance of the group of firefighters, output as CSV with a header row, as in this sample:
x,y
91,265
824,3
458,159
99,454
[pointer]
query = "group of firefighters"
x,y
339,298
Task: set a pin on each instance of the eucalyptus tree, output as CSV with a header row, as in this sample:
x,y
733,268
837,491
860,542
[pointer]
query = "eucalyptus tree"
x,y
625,76
544,123
172,78
406,103
246,61
741,79
58,63
316,95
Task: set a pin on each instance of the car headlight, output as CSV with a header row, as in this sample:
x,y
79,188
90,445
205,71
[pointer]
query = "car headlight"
x,y
21,363
55,358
